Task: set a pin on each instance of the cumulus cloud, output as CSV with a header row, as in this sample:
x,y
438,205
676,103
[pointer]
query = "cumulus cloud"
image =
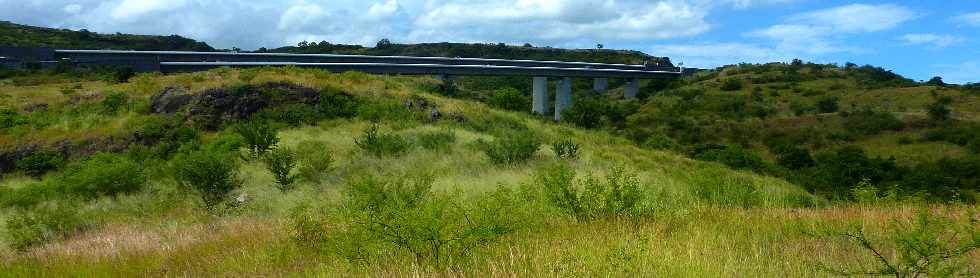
x,y
130,9
969,19
857,17
934,40
708,55
72,8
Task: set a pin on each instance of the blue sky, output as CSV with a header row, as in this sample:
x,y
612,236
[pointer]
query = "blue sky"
x,y
919,39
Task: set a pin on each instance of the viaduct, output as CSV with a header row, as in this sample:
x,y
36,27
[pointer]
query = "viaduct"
x,y
444,68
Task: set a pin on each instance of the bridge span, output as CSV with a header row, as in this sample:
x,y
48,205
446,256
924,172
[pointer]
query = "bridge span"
x,y
445,68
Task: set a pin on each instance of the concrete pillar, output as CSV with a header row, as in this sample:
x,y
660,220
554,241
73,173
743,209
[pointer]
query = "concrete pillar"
x,y
563,96
599,85
632,87
539,96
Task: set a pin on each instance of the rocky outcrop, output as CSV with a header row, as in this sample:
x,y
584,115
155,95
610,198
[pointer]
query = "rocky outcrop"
x,y
170,100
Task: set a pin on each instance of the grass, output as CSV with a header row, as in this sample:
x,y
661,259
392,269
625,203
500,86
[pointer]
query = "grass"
x,y
703,219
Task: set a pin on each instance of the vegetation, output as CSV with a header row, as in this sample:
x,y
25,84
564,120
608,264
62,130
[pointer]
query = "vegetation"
x,y
280,163
12,34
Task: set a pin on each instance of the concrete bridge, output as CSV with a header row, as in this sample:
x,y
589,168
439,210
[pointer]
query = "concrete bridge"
x,y
446,68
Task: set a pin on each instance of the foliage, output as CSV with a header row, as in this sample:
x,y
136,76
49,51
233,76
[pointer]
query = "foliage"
x,y
259,136
337,104
280,162
870,122
933,244
658,141
22,35
514,148
103,174
114,101
732,84
436,140
585,112
838,171
617,196
211,172
827,105
314,159
379,144
939,111
39,163
565,149
43,223
510,99
732,155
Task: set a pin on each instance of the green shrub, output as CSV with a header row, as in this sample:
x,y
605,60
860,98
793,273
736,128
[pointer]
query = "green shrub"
x,y
659,141
114,102
295,114
381,144
401,215
259,136
386,110
121,75
43,223
905,140
337,104
827,105
793,157
939,111
617,196
565,149
513,149
732,84
870,122
934,244
510,99
103,174
211,173
10,118
733,156
315,160
280,162
39,163
437,140
586,112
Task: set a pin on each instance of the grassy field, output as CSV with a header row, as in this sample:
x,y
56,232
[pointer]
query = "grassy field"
x,y
694,218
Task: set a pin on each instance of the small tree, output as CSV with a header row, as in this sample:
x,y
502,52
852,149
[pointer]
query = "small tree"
x,y
939,111
259,136
565,149
828,105
213,174
280,163
510,99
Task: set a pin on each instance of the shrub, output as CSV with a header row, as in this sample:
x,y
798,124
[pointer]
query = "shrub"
x,y
121,75
793,157
113,102
933,244
732,84
211,173
836,172
512,149
437,140
618,195
315,160
39,163
280,162
510,99
43,223
401,214
387,110
103,174
733,156
659,141
336,104
869,122
585,112
381,144
827,105
565,149
259,136
295,114
939,111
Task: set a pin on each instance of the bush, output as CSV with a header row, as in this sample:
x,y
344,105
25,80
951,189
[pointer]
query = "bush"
x,y
437,140
512,149
658,141
381,144
39,163
939,111
827,105
113,102
793,157
565,149
401,214
315,160
836,172
732,84
869,122
617,196
905,140
336,104
933,244
211,173
733,156
103,174
43,223
259,136
586,112
510,99
280,162
295,114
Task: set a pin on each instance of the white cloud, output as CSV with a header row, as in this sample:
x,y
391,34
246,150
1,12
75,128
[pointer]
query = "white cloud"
x,y
742,4
299,15
72,8
381,10
938,41
130,9
709,55
969,19
857,17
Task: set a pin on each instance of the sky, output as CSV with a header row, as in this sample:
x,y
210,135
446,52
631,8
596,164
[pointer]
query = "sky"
x,y
918,39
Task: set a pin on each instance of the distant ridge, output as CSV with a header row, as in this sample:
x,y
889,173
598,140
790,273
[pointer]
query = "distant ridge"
x,y
12,34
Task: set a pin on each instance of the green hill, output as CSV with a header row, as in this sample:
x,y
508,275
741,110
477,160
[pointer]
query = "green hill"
x,y
12,34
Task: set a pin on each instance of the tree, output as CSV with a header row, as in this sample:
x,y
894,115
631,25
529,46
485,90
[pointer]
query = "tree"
x,y
936,81
303,44
599,46
939,111
383,43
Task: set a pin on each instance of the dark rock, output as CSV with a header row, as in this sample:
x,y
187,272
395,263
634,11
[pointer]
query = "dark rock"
x,y
218,105
9,157
36,107
458,117
434,114
170,100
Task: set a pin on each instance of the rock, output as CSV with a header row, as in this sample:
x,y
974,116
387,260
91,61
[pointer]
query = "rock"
x,y
214,106
36,107
169,101
9,157
434,114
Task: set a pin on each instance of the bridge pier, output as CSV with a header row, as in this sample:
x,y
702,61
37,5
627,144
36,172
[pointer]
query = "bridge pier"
x,y
632,88
539,95
600,84
563,96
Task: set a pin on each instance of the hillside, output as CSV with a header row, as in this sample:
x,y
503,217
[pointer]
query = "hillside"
x,y
12,34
